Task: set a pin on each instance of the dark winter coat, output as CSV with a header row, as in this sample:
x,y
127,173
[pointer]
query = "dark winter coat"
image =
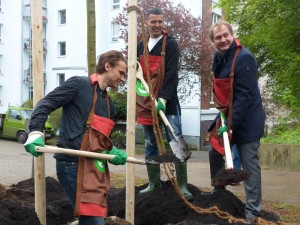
x,y
169,87
247,110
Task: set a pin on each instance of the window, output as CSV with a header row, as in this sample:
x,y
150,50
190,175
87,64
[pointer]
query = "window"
x,y
215,18
0,32
30,92
114,32
61,78
13,114
115,4
62,16
62,48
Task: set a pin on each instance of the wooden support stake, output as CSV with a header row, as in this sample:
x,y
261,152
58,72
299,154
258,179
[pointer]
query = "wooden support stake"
x,y
38,93
131,101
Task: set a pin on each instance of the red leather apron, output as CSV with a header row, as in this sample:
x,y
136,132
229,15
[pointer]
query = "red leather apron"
x,y
223,97
156,71
92,184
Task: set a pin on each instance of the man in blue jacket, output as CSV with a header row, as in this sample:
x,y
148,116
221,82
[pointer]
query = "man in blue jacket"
x,y
235,67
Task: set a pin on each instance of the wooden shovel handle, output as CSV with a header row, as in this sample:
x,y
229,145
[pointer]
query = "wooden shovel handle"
x,y
139,75
95,155
228,155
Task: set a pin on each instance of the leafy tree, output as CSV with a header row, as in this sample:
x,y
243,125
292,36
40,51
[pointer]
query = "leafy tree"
x,y
270,29
185,28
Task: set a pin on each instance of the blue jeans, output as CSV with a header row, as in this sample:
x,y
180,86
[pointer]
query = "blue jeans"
x,y
67,176
91,220
151,148
236,158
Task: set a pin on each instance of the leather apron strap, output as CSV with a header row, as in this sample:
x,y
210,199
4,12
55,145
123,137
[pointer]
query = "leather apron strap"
x,y
231,90
163,57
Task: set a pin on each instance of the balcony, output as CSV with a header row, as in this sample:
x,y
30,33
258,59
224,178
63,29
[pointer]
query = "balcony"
x,y
28,47
28,77
27,11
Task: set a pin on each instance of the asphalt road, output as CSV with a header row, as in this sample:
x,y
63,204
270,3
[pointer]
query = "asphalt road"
x,y
17,165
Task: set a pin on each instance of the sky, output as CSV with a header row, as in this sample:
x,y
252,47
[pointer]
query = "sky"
x,y
193,5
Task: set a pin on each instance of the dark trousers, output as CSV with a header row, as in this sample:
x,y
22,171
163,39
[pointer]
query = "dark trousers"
x,y
249,158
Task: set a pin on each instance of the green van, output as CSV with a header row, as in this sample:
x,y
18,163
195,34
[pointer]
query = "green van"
x,y
14,124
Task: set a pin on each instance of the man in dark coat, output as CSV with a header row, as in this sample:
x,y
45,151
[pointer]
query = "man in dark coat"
x,y
247,120
83,98
163,59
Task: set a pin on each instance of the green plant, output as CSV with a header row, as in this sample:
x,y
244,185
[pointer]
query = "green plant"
x,y
54,118
120,101
284,134
118,139
28,104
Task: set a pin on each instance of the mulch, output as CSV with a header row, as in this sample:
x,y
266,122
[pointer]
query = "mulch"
x,y
163,207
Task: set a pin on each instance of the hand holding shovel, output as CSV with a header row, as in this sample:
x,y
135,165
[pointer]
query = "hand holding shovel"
x,y
229,176
178,145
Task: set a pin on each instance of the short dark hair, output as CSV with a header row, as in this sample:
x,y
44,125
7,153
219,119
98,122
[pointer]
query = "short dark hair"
x,y
112,57
155,11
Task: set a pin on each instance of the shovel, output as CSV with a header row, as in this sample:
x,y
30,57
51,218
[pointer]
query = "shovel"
x,y
178,145
229,176
95,155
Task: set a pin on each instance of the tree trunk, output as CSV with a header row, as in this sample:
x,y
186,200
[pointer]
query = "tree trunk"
x,y
91,36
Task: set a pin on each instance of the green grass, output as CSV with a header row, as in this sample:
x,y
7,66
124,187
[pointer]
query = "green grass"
x,y
283,135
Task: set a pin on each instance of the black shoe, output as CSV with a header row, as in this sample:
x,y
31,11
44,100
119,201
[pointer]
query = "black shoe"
x,y
215,190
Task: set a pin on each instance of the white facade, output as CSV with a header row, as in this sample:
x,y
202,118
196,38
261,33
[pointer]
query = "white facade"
x,y
65,41
11,64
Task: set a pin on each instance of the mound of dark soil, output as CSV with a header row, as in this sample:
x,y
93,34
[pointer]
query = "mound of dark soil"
x,y
17,204
163,207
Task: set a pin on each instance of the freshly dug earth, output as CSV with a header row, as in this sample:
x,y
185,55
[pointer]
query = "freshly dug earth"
x,y
163,207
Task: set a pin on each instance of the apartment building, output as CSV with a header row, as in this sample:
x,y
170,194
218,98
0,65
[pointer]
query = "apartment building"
x,y
64,48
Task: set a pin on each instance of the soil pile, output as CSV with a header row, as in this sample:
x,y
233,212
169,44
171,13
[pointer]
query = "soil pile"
x,y
17,204
163,207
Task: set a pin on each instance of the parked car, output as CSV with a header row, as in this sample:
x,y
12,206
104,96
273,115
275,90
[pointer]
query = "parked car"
x,y
14,124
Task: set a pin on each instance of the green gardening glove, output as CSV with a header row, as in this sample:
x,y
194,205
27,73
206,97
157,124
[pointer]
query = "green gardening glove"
x,y
222,129
35,138
161,105
120,156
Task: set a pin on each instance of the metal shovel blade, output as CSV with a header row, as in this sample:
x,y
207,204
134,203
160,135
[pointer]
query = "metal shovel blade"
x,y
180,148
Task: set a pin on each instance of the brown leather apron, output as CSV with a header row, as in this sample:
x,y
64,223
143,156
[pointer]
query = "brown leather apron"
x,y
223,97
156,71
92,184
